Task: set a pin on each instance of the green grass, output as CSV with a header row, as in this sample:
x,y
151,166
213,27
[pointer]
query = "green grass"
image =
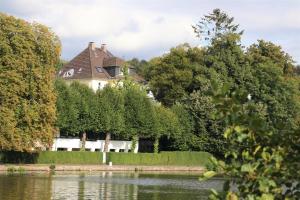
x,y
175,158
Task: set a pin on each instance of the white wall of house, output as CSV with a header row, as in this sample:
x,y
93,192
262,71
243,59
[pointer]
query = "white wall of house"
x,y
98,145
97,84
94,84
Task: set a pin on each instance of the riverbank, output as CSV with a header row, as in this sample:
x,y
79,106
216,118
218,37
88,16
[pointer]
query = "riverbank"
x,y
44,167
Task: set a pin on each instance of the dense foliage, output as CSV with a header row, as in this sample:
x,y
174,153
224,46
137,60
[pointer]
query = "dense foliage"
x,y
260,163
28,56
126,112
187,75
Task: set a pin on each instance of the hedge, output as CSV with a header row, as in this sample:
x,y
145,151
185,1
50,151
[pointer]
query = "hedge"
x,y
175,158
72,157
52,157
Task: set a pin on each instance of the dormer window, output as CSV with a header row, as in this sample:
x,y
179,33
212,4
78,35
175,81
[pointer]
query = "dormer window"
x,y
68,73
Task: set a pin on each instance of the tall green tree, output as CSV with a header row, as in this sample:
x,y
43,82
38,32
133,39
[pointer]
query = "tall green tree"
x,y
85,104
67,112
215,25
28,56
138,113
184,139
109,117
165,123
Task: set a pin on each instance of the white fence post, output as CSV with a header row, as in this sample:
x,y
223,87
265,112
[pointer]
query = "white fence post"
x,y
103,157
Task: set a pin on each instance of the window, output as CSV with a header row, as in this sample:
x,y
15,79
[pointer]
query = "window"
x,y
99,69
68,73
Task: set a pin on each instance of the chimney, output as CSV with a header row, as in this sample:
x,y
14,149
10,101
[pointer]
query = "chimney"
x,y
92,46
103,47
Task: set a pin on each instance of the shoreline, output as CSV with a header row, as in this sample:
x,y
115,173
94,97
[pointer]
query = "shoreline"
x,y
67,167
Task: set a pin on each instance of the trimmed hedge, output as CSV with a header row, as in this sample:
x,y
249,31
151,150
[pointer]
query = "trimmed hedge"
x,y
72,157
52,157
175,158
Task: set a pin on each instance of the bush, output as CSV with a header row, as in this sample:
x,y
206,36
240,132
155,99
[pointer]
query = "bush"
x,y
175,158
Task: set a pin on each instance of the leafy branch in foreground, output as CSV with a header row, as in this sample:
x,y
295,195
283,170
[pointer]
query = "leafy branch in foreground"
x,y
261,164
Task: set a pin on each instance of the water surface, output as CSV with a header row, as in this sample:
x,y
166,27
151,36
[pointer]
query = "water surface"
x,y
104,185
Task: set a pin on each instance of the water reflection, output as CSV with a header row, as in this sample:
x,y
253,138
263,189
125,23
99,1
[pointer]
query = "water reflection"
x,y
104,185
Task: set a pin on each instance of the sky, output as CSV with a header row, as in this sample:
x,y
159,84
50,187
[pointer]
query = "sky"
x,y
147,28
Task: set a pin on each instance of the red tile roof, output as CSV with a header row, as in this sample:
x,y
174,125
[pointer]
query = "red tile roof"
x,y
90,63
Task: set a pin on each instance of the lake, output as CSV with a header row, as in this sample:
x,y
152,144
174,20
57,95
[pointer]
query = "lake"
x,y
104,185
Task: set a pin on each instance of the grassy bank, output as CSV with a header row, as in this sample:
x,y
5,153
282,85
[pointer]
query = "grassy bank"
x,y
75,157
177,158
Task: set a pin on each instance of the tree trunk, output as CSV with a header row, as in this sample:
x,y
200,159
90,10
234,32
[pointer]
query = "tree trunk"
x,y
83,139
107,140
134,142
156,145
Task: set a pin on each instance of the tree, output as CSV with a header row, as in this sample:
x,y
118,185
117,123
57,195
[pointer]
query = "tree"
x,y
140,66
85,104
138,113
171,75
67,112
165,124
260,163
267,52
215,25
28,56
109,117
184,139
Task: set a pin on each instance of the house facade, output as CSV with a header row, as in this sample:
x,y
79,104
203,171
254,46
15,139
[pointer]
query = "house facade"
x,y
96,67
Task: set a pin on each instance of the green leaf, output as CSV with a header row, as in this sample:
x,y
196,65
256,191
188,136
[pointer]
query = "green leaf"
x,y
227,132
207,175
267,197
247,168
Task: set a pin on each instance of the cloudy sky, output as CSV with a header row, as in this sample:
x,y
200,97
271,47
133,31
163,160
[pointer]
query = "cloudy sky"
x,y
147,28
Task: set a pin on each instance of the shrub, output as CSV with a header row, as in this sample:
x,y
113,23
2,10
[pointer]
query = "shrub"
x,y
79,157
164,158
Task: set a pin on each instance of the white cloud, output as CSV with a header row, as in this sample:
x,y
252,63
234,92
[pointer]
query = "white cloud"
x,y
144,26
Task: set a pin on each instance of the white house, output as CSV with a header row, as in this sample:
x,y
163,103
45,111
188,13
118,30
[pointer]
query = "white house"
x,y
94,67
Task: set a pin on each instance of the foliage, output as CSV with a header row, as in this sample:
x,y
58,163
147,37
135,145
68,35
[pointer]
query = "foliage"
x,y
163,158
208,131
140,66
67,113
166,123
28,56
215,25
138,112
188,75
171,75
85,103
109,109
260,162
